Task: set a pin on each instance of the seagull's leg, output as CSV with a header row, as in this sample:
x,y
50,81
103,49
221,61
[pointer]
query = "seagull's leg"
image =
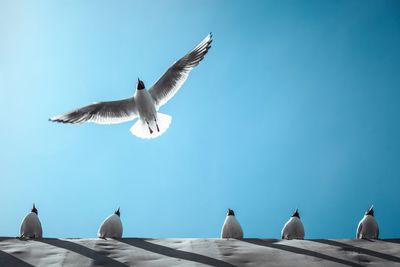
x,y
155,120
151,131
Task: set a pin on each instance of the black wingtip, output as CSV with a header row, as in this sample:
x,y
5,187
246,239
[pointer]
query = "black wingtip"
x,y
210,41
55,120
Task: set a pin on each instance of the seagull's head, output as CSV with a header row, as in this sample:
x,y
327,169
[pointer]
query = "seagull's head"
x,y
34,209
117,212
230,213
296,213
139,84
370,211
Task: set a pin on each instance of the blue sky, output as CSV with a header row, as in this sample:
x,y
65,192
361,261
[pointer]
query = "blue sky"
x,y
297,104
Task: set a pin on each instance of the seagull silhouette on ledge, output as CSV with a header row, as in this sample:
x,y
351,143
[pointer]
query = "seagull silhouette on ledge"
x,y
145,103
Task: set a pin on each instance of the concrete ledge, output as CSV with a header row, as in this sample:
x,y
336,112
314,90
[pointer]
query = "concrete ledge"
x,y
198,252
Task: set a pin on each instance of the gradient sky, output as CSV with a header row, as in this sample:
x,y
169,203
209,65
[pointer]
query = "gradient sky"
x,y
297,104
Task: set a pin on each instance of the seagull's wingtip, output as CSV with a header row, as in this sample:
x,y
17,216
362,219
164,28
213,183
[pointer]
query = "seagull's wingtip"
x,y
209,39
53,119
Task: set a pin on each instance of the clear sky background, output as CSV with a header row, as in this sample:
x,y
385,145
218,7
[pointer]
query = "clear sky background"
x,y
297,104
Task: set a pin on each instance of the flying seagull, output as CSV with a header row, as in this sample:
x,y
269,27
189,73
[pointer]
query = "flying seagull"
x,y
144,104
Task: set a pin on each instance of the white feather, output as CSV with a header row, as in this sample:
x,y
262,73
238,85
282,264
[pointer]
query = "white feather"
x,y
367,228
111,227
231,228
293,229
141,130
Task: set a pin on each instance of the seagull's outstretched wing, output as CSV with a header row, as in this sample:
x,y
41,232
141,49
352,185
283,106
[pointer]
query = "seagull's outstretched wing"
x,y
167,86
111,112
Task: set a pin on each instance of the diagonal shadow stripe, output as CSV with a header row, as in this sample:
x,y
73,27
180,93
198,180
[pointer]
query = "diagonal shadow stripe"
x,y
174,253
369,252
98,258
302,251
7,259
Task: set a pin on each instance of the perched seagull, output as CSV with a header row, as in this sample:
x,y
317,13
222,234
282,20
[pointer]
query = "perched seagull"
x,y
111,227
368,227
231,227
293,228
145,103
31,226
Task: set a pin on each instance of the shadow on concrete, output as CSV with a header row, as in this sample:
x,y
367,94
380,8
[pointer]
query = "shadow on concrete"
x,y
7,259
98,258
272,244
365,251
174,253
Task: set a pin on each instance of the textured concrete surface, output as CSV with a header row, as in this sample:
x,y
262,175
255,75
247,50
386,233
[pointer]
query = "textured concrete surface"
x,y
198,252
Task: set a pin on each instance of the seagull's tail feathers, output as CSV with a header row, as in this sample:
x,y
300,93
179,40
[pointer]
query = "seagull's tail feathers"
x,y
141,130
